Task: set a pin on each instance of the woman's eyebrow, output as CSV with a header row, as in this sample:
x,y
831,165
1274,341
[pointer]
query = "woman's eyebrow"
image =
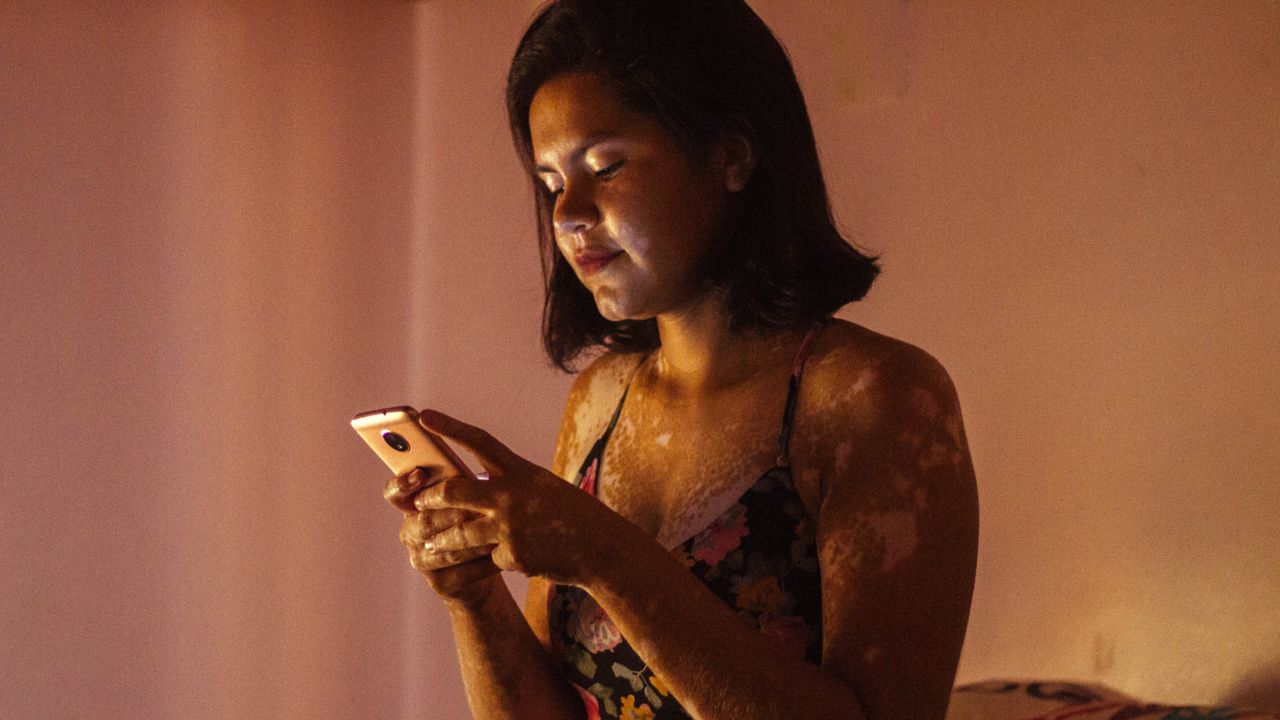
x,y
577,153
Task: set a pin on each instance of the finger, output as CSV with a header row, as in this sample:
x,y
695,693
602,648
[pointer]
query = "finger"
x,y
493,455
452,499
424,561
435,521
399,490
455,493
462,581
417,527
471,534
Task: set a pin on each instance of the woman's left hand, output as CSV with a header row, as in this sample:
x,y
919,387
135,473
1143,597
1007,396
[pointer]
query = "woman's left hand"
x,y
538,524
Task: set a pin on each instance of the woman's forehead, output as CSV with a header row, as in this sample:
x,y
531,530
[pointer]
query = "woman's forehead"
x,y
571,112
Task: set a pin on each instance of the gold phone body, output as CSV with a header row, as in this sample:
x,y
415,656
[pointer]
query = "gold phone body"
x,y
395,436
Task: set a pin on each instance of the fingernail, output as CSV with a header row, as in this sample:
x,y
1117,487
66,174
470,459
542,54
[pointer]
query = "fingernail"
x,y
429,546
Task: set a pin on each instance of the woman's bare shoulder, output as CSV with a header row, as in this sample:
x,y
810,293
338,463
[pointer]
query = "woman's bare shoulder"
x,y
590,404
857,383
851,366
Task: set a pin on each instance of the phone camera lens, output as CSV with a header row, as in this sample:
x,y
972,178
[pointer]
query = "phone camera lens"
x,y
395,440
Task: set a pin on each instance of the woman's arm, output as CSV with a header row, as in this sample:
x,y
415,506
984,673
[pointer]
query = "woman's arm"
x,y
898,537
505,668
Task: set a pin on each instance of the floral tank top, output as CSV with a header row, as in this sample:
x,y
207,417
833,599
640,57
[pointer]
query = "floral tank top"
x,y
760,556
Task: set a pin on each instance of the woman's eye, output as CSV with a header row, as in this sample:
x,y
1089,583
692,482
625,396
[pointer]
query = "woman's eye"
x,y
610,171
603,173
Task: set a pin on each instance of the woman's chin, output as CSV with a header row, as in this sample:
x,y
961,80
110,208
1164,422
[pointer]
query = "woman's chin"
x,y
617,302
614,311
611,312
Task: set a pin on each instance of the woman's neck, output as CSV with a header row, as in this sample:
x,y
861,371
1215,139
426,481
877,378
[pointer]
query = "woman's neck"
x,y
701,356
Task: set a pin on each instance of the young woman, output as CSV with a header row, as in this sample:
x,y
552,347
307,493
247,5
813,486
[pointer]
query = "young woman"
x,y
769,513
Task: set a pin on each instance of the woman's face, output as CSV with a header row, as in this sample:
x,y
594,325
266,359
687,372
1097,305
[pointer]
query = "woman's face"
x,y
633,213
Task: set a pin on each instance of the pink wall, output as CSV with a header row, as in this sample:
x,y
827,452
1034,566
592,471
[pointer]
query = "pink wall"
x,y
1077,203
204,222
224,230
1078,208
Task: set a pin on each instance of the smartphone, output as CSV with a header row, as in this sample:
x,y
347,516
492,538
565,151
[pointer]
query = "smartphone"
x,y
395,436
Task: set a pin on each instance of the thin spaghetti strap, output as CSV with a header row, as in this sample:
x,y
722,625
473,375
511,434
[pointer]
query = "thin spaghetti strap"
x,y
604,438
793,391
595,457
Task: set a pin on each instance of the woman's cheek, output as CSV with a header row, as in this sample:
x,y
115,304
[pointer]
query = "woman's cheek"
x,y
565,247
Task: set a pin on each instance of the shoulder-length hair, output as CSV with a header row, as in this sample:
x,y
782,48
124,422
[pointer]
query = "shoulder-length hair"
x,y
701,67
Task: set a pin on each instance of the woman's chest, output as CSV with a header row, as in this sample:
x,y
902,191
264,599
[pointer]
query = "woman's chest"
x,y
673,474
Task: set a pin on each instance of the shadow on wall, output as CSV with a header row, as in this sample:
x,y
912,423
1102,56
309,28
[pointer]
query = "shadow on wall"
x,y
1258,689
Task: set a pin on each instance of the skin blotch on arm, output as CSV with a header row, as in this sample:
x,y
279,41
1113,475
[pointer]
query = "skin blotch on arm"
x,y
936,437
912,448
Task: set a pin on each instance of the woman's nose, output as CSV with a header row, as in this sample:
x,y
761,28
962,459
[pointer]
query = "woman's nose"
x,y
576,211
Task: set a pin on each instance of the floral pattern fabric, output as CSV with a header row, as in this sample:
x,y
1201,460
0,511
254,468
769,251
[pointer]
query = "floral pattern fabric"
x,y
760,556
1059,700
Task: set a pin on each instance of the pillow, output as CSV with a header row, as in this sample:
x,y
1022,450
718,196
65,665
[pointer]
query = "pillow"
x,y
1059,700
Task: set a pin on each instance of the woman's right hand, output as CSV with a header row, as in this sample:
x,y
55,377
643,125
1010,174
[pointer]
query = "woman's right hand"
x,y
459,577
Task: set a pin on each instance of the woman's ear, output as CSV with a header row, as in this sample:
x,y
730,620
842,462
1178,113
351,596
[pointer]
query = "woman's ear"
x,y
737,156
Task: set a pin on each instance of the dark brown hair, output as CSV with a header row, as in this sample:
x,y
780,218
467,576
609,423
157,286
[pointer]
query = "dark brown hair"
x,y
701,67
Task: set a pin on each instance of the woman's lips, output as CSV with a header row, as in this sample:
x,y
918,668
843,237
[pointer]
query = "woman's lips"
x,y
594,262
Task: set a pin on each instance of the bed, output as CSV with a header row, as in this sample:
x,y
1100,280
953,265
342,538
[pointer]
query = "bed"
x,y
1059,700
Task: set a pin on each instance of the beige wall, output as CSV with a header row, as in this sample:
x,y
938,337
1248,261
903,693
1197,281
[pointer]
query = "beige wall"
x,y
226,229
